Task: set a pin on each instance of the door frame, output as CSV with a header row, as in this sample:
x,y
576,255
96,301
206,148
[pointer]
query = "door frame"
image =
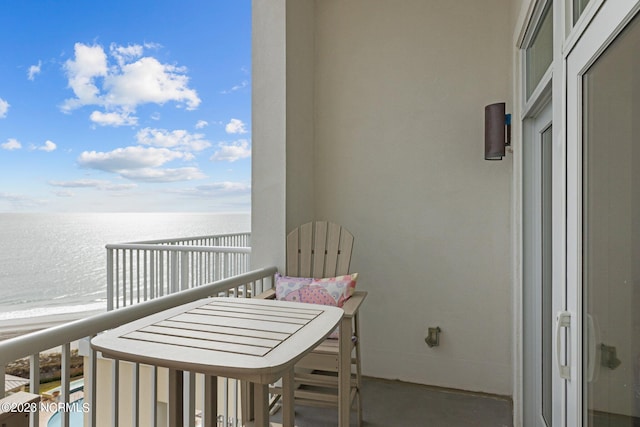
x,y
549,90
538,121
608,22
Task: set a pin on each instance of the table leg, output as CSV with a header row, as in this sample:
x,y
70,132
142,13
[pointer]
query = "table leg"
x,y
176,396
261,404
288,398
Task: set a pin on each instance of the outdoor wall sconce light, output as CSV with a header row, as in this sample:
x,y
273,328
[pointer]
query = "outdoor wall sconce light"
x,y
497,131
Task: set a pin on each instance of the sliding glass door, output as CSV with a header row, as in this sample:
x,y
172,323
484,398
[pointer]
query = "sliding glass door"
x,y
603,221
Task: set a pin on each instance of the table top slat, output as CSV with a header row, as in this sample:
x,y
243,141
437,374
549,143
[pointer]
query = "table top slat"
x,y
261,317
211,336
287,328
254,304
223,329
278,314
196,343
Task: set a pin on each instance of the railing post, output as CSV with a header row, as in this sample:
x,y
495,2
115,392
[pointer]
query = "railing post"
x,y
124,277
184,270
152,275
91,386
34,385
175,270
65,381
2,384
109,279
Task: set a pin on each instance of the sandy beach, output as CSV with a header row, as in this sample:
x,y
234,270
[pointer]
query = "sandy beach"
x,y
16,327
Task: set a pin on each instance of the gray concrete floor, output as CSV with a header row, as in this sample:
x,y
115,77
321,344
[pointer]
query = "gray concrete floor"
x,y
398,404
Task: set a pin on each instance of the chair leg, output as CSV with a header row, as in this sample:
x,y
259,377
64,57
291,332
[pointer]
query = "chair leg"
x,y
344,373
356,329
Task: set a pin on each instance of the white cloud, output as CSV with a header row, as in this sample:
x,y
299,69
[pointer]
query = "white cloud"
x,y
149,81
129,158
4,108
201,124
114,119
93,183
79,183
141,164
126,54
64,193
235,88
122,84
224,188
230,152
34,70
48,146
11,144
235,126
118,187
90,63
21,201
179,139
163,175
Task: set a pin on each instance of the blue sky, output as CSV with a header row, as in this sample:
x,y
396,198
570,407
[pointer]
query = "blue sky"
x,y
125,106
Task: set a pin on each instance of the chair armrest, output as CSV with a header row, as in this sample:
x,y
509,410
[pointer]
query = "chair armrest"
x,y
352,305
268,294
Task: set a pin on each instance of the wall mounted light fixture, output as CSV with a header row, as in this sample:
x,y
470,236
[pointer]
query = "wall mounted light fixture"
x,y
497,131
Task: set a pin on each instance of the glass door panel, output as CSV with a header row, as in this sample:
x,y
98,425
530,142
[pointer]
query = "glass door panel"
x,y
537,272
578,8
539,54
611,235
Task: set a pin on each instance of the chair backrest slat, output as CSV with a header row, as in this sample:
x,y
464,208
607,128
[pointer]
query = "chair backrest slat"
x,y
305,250
344,255
320,249
293,249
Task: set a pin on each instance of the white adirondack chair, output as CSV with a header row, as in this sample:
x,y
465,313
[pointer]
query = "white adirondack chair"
x,y
330,375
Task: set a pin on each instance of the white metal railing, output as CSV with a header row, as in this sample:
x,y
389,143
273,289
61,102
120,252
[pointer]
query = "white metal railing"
x,y
140,271
33,344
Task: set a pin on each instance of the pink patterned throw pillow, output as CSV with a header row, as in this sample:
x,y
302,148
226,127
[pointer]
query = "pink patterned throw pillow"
x,y
332,291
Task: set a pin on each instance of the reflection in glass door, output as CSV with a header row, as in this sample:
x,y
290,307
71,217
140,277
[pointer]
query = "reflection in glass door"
x,y
611,235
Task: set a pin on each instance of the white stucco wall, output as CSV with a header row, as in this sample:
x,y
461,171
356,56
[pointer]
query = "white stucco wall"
x,y
397,157
282,124
268,129
400,102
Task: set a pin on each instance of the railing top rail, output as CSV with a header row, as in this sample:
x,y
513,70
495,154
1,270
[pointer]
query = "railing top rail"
x,y
180,248
181,239
35,342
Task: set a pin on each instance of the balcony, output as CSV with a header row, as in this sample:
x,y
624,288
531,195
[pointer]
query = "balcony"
x,y
148,277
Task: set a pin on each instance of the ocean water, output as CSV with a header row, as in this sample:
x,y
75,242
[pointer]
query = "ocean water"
x,y
56,263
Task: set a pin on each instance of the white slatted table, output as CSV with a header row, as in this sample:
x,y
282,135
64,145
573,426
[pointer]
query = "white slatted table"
x,y
248,339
